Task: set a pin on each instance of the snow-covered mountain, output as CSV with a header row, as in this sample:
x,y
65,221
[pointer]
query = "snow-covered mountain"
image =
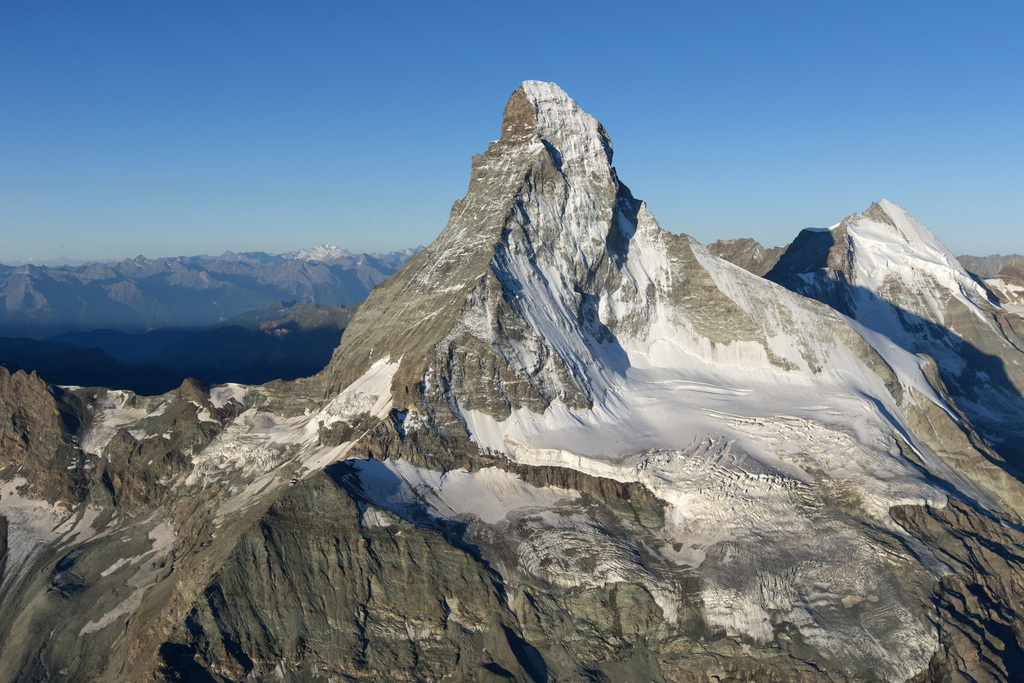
x,y
330,254
561,443
912,300
563,327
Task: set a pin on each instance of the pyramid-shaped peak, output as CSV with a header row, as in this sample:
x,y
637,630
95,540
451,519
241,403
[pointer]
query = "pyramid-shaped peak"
x,y
888,223
540,110
887,212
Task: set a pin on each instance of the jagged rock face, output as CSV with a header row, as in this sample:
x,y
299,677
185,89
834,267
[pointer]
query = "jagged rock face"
x,y
37,439
350,596
748,254
907,293
429,317
561,444
981,621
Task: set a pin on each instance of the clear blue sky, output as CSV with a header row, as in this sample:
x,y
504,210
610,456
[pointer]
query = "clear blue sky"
x,y
169,128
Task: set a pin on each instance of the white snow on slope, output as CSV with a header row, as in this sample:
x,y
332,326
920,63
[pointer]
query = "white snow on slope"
x,y
491,495
161,537
248,454
1010,293
906,264
371,394
31,524
746,441
221,396
110,414
34,523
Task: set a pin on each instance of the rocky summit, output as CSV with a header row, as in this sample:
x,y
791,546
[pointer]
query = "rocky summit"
x,y
561,443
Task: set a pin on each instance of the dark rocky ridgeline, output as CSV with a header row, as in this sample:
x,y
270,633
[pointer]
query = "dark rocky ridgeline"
x,y
72,520
279,341
747,254
1013,272
91,542
308,595
988,266
980,603
38,425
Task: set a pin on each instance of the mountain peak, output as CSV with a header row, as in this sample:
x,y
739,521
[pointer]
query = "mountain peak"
x,y
576,140
881,255
324,252
889,229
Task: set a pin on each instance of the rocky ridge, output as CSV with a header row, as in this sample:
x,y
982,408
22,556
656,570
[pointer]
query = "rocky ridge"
x,y
560,444
988,266
748,254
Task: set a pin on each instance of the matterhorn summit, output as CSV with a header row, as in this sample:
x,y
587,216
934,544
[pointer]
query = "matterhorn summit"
x,y
557,325
561,443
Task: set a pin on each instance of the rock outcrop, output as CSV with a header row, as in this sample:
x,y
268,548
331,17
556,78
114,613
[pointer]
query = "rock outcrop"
x,y
1008,285
748,254
560,444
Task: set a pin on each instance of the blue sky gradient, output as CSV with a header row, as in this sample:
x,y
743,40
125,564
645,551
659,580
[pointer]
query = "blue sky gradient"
x,y
183,128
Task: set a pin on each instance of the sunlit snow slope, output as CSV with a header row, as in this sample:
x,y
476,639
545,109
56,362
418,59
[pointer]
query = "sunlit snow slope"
x,y
913,301
558,324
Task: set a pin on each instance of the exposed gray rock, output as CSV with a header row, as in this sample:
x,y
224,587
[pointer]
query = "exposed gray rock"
x,y
981,621
748,254
1008,285
560,444
988,266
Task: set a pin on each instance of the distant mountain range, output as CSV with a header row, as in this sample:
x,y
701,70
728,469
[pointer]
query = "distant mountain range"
x,y
143,294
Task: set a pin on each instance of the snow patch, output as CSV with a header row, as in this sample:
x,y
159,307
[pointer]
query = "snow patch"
x,y
491,495
161,537
371,393
221,396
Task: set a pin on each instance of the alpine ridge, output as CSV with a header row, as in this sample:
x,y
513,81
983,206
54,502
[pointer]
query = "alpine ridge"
x,y
906,293
560,443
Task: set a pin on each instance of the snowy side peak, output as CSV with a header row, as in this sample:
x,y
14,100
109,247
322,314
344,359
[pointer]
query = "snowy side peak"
x,y
889,244
576,140
882,254
885,223
324,252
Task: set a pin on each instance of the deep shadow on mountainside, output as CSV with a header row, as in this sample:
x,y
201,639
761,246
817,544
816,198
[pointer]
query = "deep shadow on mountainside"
x,y
278,342
979,391
560,444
